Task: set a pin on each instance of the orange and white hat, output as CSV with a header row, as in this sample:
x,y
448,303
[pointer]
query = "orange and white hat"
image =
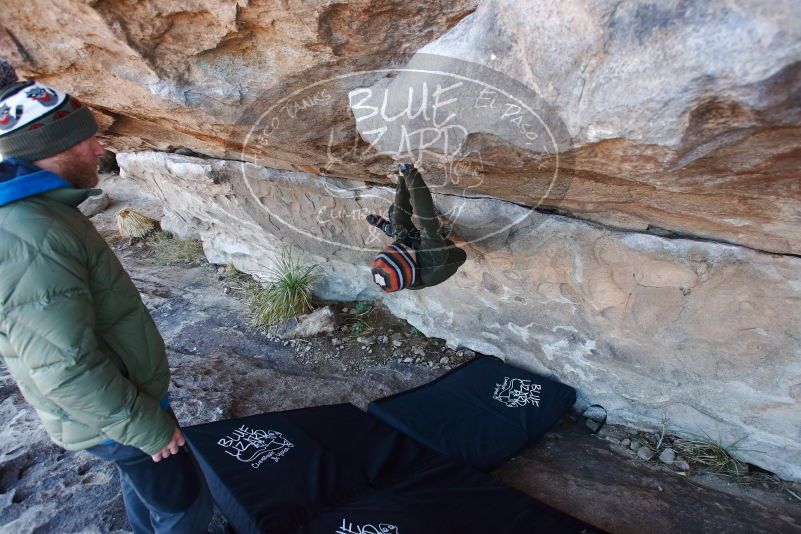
x,y
394,269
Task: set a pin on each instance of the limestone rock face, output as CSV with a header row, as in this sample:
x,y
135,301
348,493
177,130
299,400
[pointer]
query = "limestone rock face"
x,y
704,333
677,118
680,116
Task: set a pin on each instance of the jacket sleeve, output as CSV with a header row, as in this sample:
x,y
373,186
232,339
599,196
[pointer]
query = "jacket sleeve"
x,y
51,328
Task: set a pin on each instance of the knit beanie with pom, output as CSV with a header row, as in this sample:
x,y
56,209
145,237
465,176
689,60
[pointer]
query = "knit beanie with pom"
x,y
394,269
37,121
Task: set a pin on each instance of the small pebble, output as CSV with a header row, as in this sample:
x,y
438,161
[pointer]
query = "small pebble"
x,y
645,453
667,456
408,360
345,310
682,464
625,442
396,343
444,360
635,445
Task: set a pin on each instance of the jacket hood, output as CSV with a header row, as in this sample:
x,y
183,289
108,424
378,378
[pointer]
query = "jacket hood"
x,y
21,179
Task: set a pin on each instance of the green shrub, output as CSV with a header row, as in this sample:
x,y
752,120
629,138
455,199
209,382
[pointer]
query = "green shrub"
x,y
287,294
358,328
362,307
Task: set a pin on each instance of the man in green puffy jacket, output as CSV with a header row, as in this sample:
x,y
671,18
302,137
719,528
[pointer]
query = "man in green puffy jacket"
x,y
74,332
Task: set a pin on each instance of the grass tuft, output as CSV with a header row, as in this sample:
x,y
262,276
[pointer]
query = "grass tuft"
x,y
711,456
287,294
167,250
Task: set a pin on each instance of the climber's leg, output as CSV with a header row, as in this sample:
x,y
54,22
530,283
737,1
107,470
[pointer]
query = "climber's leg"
x,y
401,214
423,206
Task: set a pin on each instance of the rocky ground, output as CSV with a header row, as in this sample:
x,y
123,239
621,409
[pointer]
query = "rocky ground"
x,y
222,367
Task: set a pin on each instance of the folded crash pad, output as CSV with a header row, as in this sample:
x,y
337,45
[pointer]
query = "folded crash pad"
x,y
482,413
338,470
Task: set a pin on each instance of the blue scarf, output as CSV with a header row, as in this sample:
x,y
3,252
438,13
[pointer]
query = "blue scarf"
x,y
21,179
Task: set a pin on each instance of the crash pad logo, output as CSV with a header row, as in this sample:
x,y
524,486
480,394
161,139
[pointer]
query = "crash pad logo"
x,y
517,392
350,528
255,446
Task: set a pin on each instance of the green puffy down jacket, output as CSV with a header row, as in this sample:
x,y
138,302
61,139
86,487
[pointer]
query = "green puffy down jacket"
x,y
74,332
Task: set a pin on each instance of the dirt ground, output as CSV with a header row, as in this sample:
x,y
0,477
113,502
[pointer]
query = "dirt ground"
x,y
222,368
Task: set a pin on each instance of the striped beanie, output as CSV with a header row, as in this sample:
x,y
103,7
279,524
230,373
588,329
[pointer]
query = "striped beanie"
x,y
394,269
37,121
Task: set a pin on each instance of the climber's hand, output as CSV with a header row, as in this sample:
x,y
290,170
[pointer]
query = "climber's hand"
x,y
172,447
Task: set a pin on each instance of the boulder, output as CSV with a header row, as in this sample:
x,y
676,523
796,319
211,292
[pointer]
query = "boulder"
x,y
94,204
670,119
703,333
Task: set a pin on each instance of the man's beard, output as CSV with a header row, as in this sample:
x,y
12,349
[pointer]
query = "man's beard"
x,y
81,173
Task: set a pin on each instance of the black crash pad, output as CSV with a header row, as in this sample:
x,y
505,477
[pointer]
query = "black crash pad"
x,y
338,470
482,413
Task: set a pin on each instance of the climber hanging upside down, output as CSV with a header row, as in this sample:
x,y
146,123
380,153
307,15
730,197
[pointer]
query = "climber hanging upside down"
x,y
415,259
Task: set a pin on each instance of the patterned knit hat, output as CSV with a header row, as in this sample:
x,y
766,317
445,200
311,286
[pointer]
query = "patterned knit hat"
x,y
36,121
394,269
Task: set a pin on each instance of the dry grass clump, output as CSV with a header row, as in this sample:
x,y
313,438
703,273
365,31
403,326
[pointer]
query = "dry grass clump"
x,y
360,321
711,456
135,225
287,294
167,250
237,281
